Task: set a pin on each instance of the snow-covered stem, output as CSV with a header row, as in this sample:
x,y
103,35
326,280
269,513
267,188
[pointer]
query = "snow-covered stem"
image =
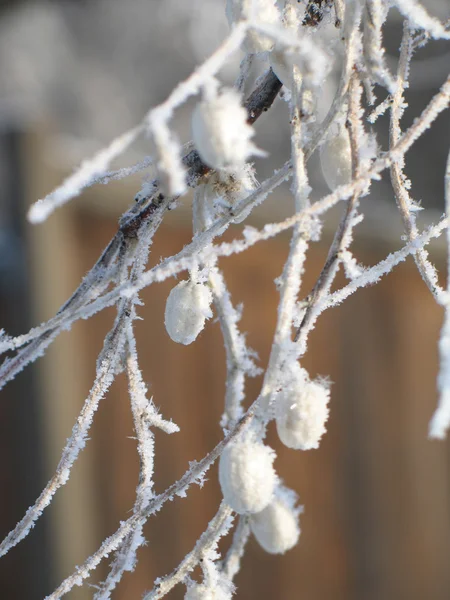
x,y
88,172
343,236
373,274
402,197
290,280
440,421
232,562
240,360
421,19
375,16
380,109
217,528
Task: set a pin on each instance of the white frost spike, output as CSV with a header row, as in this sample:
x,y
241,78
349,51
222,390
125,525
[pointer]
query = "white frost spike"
x,y
301,411
263,11
187,308
247,476
276,527
220,130
336,159
204,592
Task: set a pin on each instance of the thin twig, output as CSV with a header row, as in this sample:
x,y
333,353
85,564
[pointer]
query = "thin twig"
x,y
232,562
402,197
217,528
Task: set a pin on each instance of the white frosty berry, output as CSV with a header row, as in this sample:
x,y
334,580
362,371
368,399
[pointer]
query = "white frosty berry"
x,y
205,592
301,411
220,130
187,308
336,159
247,476
276,527
265,11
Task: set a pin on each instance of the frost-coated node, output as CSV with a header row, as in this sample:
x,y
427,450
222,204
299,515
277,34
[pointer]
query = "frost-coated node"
x,y
301,411
227,188
203,591
276,528
336,159
188,306
263,11
220,130
247,476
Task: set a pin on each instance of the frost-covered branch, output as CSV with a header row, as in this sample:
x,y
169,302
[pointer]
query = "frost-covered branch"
x,y
218,527
405,204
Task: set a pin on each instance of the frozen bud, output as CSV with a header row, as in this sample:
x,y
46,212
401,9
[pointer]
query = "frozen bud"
x,y
230,187
188,306
301,411
276,527
247,476
204,592
264,11
336,159
221,132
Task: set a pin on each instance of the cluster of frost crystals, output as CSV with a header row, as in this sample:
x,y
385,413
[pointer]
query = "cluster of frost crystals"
x,y
263,11
188,306
336,158
226,189
301,411
305,53
247,476
203,591
276,527
220,130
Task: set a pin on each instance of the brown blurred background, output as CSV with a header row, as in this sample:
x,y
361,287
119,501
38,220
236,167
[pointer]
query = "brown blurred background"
x,y
376,494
